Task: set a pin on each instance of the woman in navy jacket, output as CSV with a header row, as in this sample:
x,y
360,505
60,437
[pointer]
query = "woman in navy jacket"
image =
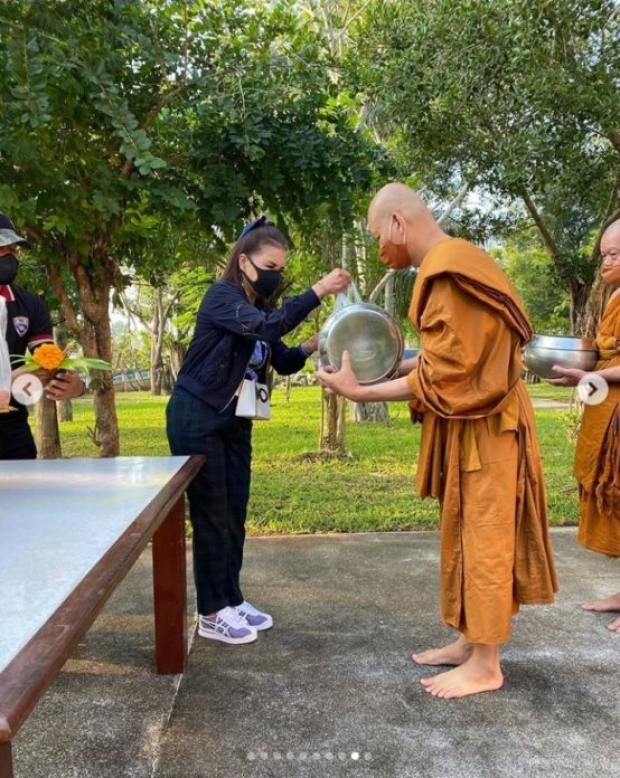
x,y
237,335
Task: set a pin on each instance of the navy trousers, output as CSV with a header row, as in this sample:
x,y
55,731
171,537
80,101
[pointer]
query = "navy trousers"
x,y
218,496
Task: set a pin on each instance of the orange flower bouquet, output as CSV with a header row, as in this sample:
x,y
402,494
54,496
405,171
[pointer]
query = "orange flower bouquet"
x,y
51,357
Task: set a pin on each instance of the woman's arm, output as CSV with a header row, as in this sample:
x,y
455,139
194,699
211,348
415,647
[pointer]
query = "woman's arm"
x,y
226,307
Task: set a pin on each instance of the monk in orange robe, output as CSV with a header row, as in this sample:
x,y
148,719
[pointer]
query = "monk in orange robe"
x,y
597,454
478,454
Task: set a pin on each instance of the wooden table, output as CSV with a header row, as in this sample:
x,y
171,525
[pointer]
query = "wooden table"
x,y
70,530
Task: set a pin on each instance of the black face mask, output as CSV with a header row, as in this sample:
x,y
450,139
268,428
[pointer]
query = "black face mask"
x,y
266,281
9,265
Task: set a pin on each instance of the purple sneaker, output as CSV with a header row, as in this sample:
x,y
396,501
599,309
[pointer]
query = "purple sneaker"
x,y
227,626
252,616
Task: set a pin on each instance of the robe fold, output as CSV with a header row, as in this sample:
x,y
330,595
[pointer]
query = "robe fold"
x,y
597,454
479,454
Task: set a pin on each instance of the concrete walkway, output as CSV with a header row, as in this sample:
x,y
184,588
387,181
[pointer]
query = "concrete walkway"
x,y
544,403
330,691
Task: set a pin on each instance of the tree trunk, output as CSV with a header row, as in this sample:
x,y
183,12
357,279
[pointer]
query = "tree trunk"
x,y
64,408
579,292
104,401
580,304
48,436
332,439
94,285
177,355
370,412
157,329
598,299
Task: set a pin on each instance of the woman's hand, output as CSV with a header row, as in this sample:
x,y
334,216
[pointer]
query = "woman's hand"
x,y
310,346
567,376
332,283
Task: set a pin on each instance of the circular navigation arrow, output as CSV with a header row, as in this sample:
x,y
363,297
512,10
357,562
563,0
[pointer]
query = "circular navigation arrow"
x,y
592,389
27,389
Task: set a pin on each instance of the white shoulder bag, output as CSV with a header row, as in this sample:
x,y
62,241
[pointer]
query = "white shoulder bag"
x,y
253,400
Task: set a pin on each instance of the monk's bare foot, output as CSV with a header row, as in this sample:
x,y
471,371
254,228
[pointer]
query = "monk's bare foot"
x,y
615,625
611,603
462,682
453,654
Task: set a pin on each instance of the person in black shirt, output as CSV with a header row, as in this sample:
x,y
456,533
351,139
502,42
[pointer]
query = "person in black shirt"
x,y
28,326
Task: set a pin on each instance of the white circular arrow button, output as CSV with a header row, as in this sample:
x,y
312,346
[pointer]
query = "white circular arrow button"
x,y
592,389
27,389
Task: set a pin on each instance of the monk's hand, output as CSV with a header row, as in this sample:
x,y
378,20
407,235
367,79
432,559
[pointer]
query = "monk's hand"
x,y
343,381
567,376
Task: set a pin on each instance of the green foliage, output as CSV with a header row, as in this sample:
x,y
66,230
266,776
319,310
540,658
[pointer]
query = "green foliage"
x,y
500,90
535,278
518,98
295,490
128,122
120,117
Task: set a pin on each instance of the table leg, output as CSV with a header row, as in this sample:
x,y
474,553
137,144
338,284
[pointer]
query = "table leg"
x,y
6,761
169,585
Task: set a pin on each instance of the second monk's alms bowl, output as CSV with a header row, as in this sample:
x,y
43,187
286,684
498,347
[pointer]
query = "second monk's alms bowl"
x,y
544,351
370,335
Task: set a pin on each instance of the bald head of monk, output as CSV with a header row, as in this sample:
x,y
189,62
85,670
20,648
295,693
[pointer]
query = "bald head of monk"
x,y
610,254
404,226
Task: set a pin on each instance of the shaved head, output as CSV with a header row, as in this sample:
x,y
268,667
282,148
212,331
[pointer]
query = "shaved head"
x,y
399,198
612,232
396,210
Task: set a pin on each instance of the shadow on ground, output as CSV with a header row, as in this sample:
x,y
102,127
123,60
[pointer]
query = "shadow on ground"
x,y
331,691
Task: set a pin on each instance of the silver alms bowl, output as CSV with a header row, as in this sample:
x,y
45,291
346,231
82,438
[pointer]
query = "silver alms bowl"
x,y
544,351
370,335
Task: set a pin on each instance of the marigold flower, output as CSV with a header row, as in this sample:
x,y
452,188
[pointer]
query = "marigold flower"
x,y
49,356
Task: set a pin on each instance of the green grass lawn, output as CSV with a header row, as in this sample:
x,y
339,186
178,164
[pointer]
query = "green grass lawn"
x,y
293,491
546,391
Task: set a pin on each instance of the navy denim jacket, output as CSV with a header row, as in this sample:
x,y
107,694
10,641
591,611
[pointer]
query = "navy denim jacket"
x,y
227,329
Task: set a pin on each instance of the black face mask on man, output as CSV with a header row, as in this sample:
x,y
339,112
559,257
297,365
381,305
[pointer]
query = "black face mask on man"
x,y
266,281
9,265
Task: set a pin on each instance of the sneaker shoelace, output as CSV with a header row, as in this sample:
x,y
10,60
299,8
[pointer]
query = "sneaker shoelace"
x,y
226,617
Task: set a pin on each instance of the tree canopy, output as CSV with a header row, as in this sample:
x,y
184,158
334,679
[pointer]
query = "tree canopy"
x,y
520,99
120,116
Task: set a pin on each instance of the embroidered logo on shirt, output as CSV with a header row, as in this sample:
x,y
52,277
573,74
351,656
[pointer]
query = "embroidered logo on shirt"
x,y
21,324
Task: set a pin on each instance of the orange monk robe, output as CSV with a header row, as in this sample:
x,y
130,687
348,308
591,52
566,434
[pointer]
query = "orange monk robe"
x,y
479,454
597,456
